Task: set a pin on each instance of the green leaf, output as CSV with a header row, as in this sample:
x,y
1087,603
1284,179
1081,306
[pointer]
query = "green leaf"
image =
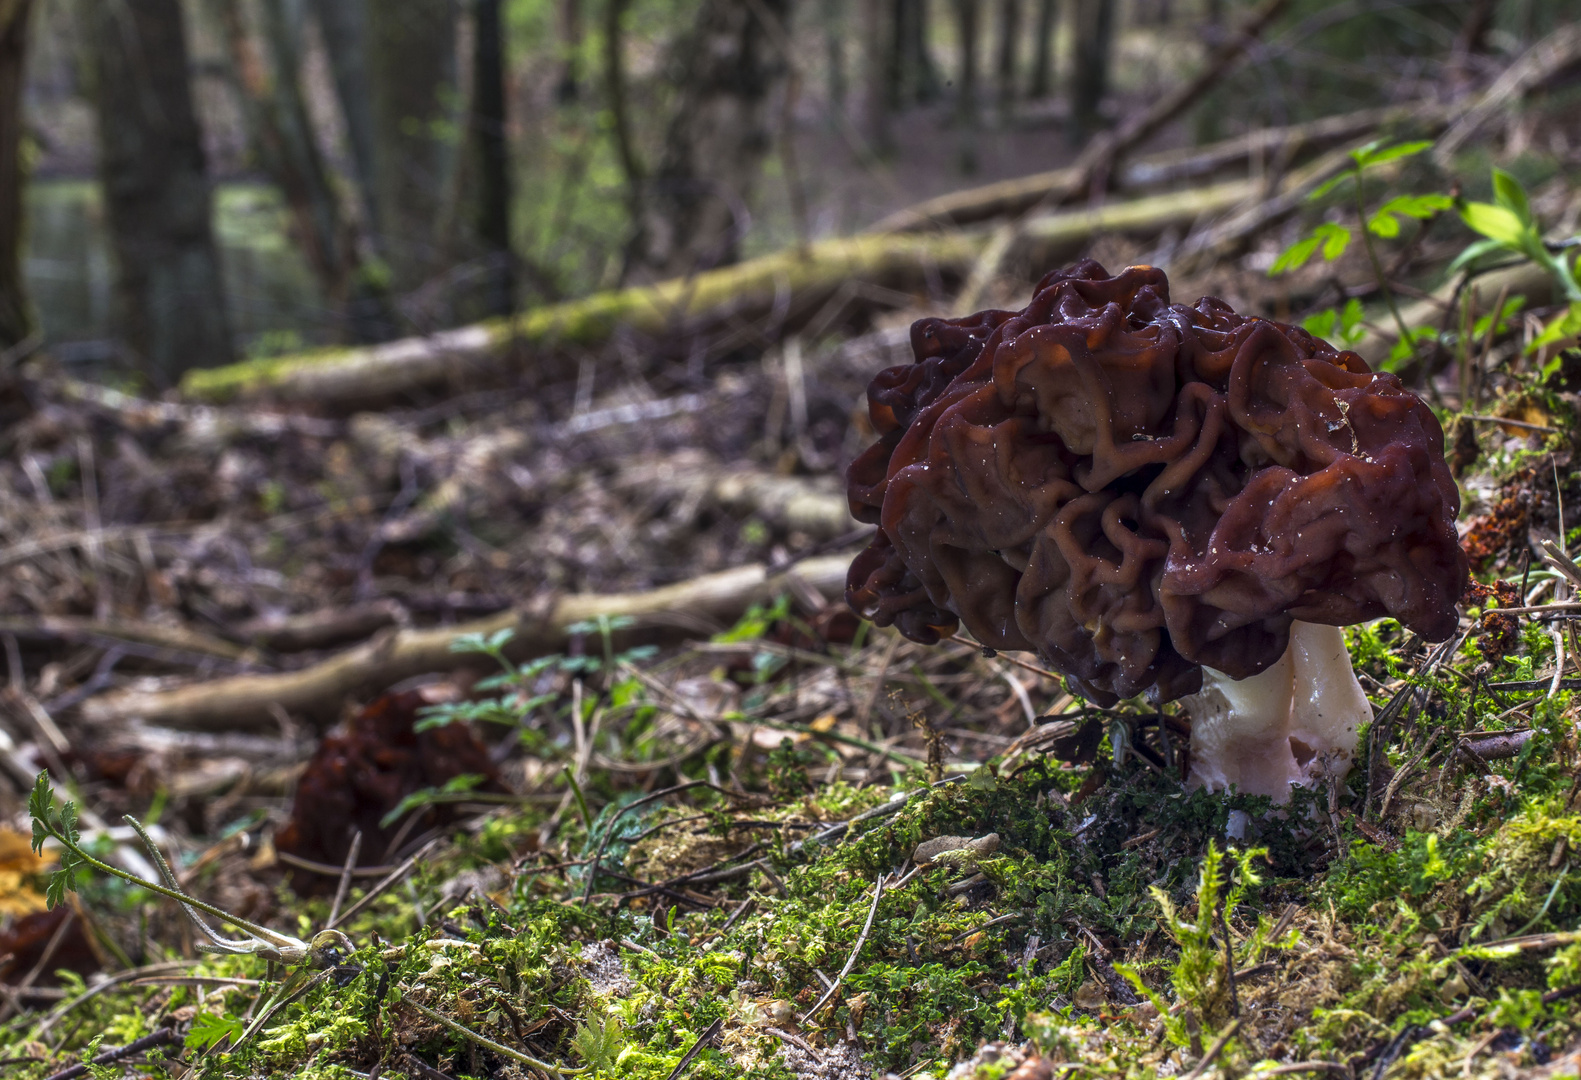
x,y
1322,324
1330,184
1566,324
1294,256
1473,252
1511,306
1336,238
1374,153
1350,328
1497,223
1386,221
210,1029
40,805
1510,194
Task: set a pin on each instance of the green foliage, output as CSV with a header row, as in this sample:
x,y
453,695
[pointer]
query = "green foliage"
x,y
61,825
210,1029
1342,325
429,796
598,1042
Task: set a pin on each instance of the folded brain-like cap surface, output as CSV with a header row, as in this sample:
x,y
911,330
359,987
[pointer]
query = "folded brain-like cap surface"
x,y
1135,489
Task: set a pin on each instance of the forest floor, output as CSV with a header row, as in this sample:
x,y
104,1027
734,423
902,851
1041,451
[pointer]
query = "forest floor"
x,y
733,830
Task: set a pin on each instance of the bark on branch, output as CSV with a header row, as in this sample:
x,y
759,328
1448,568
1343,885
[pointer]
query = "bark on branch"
x,y
249,702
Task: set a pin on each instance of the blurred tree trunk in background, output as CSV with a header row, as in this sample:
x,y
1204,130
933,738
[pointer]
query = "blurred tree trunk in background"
x,y
490,155
966,65
170,299
343,25
913,77
695,206
617,98
834,31
875,67
412,84
1042,84
1005,61
16,317
285,146
569,86
1090,71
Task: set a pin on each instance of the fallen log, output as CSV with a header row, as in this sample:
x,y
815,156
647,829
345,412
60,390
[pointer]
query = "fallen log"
x,y
793,286
798,281
250,702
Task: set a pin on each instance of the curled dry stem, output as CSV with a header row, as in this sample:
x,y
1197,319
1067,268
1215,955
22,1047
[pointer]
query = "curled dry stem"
x,y
61,827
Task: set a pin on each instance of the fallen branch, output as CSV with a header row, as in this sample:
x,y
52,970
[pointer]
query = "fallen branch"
x,y
247,702
793,286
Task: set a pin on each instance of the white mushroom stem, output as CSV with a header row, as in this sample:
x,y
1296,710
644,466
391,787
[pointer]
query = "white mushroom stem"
x,y
1294,723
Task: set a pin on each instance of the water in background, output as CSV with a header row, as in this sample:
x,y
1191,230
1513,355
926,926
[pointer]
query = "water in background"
x,y
271,293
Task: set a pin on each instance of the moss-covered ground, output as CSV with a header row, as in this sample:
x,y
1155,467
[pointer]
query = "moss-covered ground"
x,y
712,915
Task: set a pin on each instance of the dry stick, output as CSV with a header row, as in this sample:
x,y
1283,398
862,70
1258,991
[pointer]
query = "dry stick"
x,y
850,962
1522,424
1214,1051
244,701
345,876
484,1041
327,869
162,1037
708,1036
995,654
378,890
110,983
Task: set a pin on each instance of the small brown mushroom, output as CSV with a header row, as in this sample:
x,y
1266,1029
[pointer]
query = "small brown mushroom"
x,y
1159,499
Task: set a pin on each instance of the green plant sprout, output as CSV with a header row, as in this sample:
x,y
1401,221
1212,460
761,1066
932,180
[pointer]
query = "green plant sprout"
x,y
327,951
1343,325
1201,976
1508,227
1385,222
61,826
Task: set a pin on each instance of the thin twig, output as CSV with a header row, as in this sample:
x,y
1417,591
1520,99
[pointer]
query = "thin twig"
x,y
378,890
1214,1051
703,1040
484,1041
850,961
163,1037
345,876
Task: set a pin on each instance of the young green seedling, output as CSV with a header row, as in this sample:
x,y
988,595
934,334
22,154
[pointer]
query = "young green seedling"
x,y
328,947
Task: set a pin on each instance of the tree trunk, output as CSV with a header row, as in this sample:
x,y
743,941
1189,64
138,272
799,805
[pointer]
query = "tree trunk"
x,y
16,318
170,305
834,52
695,208
966,67
491,158
569,86
1042,84
343,24
412,70
1005,61
912,76
618,99
875,64
1090,77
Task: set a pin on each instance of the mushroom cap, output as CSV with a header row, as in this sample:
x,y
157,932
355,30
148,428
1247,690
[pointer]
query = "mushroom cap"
x,y
1135,489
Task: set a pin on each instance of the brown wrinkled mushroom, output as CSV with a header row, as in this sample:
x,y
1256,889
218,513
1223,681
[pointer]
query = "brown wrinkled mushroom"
x,y
1158,499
